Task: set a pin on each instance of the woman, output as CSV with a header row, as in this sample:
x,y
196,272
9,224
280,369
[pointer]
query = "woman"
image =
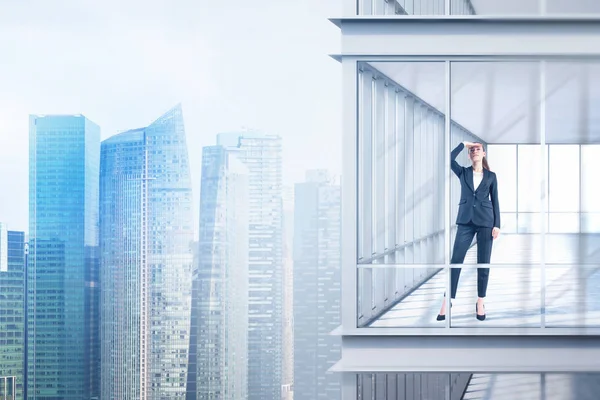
x,y
478,213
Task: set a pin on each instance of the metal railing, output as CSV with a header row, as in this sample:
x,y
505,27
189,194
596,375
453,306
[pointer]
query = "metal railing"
x,y
414,7
379,289
412,386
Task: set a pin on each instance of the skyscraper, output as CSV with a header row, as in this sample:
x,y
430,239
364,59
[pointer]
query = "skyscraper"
x,y
220,299
12,311
64,155
288,294
317,259
191,384
262,156
146,234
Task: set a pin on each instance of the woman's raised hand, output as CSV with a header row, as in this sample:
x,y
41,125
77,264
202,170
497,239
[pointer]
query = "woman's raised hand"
x,y
468,145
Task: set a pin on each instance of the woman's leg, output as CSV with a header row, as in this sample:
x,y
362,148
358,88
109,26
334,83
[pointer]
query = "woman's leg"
x,y
464,237
484,255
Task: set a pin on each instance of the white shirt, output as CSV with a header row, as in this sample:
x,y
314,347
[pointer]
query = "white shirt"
x,y
477,178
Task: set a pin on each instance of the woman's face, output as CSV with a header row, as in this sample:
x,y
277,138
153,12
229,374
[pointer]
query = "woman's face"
x,y
476,152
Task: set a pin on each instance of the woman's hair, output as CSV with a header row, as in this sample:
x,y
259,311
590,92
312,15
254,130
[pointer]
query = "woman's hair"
x,y
485,164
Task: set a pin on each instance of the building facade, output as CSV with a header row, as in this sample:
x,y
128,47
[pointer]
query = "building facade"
x,y
221,278
64,160
191,386
146,234
316,286
521,79
12,311
262,156
287,390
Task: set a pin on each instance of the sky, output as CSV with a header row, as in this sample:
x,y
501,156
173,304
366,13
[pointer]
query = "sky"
x,y
261,65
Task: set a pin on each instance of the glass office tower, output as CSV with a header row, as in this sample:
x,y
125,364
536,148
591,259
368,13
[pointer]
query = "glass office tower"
x,y
146,234
522,79
12,312
220,301
316,286
64,155
262,156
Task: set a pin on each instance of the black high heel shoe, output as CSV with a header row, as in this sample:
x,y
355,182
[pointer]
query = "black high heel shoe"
x,y
479,317
441,317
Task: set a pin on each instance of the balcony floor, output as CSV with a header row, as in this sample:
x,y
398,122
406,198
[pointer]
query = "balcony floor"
x,y
514,294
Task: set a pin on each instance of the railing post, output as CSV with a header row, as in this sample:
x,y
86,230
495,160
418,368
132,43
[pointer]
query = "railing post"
x,y
447,139
349,194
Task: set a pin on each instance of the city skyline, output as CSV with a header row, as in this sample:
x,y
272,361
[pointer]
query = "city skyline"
x,y
121,70
117,183
297,175
305,253
133,65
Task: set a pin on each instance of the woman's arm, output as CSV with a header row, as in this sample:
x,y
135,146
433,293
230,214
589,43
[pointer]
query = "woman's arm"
x,y
453,164
495,203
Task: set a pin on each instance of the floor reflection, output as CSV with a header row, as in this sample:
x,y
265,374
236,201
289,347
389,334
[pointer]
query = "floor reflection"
x,y
514,294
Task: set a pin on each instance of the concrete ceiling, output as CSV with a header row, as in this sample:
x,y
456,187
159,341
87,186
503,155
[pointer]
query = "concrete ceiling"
x,y
500,101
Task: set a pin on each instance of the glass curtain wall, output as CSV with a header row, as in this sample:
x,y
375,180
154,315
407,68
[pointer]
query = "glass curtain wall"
x,y
541,134
401,183
500,101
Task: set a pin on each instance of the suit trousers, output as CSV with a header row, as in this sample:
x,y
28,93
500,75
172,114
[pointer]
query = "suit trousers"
x,y
464,238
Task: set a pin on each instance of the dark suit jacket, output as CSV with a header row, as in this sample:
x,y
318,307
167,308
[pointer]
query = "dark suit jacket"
x,y
480,205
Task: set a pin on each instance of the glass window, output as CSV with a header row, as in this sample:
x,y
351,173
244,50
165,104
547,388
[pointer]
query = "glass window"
x,y
400,181
400,187
590,190
572,93
503,161
584,7
530,178
563,185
